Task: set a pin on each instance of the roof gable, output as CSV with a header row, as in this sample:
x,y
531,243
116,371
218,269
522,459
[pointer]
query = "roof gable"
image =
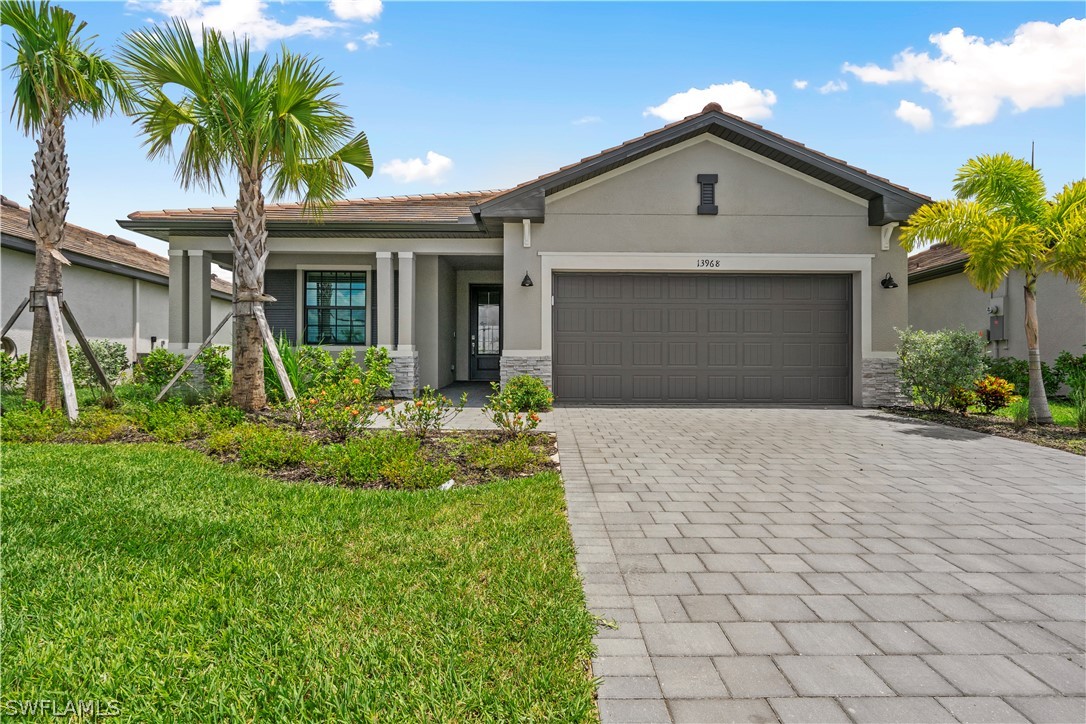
x,y
887,202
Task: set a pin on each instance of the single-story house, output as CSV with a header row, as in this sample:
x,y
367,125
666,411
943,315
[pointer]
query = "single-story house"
x,y
117,291
941,297
709,261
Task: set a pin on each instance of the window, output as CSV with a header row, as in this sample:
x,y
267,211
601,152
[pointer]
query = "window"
x,y
335,307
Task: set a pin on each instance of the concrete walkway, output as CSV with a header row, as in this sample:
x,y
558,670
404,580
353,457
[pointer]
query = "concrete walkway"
x,y
825,566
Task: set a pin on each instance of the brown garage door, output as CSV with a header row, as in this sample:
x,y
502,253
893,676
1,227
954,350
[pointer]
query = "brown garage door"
x,y
701,338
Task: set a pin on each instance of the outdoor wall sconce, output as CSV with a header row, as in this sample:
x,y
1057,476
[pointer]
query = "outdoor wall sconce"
x,y
527,281
888,282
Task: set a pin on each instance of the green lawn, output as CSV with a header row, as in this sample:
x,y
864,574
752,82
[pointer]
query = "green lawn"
x,y
1063,413
185,590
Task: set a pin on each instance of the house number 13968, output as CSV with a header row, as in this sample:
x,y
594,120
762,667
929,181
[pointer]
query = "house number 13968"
x,y
708,263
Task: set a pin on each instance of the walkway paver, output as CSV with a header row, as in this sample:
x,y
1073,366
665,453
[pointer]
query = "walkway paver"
x,y
826,565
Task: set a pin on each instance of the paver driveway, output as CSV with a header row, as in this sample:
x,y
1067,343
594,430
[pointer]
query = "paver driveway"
x,y
826,565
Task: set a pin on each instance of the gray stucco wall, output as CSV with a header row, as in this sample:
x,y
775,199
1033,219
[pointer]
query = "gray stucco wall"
x,y
104,304
951,301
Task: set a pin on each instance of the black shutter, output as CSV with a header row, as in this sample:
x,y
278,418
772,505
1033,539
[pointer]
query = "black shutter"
x,y
282,314
707,199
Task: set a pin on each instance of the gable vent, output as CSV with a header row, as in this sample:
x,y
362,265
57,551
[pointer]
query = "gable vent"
x,y
707,201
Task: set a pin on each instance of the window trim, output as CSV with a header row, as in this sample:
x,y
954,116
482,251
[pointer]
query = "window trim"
x,y
301,269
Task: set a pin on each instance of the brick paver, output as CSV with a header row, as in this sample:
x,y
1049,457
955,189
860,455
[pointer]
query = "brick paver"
x,y
826,565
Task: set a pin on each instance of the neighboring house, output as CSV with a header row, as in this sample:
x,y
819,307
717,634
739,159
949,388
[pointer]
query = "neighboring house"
x,y
941,297
116,290
708,261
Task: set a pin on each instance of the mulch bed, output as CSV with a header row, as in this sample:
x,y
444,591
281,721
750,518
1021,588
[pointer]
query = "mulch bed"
x,y
1053,436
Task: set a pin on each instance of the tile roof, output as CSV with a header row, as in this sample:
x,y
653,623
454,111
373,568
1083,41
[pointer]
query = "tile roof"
x,y
934,258
423,208
15,221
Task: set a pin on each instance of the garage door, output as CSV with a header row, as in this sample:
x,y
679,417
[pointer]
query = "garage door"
x,y
693,338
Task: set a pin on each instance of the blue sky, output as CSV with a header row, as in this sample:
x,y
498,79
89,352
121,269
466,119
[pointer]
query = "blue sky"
x,y
464,96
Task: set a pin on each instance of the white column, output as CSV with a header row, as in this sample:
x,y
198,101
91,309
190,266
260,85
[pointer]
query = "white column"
x,y
179,307
407,301
199,284
135,321
384,299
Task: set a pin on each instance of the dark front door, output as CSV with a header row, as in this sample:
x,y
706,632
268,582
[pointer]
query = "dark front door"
x,y
485,334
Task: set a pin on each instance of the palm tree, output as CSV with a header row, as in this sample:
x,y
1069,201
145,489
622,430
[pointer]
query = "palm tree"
x,y
1003,220
275,120
57,75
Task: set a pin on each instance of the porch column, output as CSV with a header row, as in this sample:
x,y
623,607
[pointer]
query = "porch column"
x,y
199,302
384,299
179,292
407,301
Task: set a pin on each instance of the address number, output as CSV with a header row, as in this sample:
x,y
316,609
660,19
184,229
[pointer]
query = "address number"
x,y
708,263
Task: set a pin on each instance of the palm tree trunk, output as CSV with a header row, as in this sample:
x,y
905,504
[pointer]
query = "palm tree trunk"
x,y
1038,400
48,209
250,240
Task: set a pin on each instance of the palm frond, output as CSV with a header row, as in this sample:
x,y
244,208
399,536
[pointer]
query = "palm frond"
x,y
946,222
1003,185
1066,233
999,246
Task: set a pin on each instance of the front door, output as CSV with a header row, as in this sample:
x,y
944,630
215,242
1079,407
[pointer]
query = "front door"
x,y
485,333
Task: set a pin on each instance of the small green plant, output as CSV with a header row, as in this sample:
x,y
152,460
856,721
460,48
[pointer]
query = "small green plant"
x,y
504,412
261,447
429,412
378,364
382,457
1072,369
507,457
159,367
215,362
96,425
12,370
993,393
112,358
529,394
935,364
961,399
32,424
1078,403
173,421
1019,410
342,409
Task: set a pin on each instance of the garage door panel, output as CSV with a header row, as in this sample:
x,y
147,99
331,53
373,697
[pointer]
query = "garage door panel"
x,y
717,338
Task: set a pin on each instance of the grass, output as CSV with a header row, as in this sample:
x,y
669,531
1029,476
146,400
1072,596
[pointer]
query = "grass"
x,y
183,589
1063,413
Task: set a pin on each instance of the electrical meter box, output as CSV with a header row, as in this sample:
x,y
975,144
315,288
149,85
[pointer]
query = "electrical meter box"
x,y
996,333
995,306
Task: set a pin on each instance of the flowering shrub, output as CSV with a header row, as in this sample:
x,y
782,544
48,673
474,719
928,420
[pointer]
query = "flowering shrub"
x,y
428,412
341,409
504,411
993,393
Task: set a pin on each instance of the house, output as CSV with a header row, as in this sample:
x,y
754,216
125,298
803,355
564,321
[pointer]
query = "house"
x,y
116,290
709,261
941,296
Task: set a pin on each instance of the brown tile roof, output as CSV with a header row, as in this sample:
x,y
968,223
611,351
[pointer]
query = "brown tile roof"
x,y
424,208
711,108
935,257
15,221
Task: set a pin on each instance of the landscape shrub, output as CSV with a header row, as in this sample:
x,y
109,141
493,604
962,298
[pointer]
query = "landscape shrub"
x,y
1072,369
934,364
112,358
961,400
1078,404
529,394
32,424
429,412
159,367
504,412
96,425
261,447
993,393
12,370
384,456
216,364
341,409
378,369
172,421
1016,371
507,457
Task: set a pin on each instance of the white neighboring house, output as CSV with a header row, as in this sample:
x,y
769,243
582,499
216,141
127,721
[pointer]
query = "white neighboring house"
x,y
116,290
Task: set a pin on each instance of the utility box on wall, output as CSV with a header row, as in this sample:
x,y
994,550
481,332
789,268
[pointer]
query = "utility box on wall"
x,y
996,332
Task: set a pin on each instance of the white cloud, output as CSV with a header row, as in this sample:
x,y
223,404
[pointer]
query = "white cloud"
x,y
365,10
799,84
834,86
372,39
415,169
238,17
351,46
587,120
1041,66
737,97
915,115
